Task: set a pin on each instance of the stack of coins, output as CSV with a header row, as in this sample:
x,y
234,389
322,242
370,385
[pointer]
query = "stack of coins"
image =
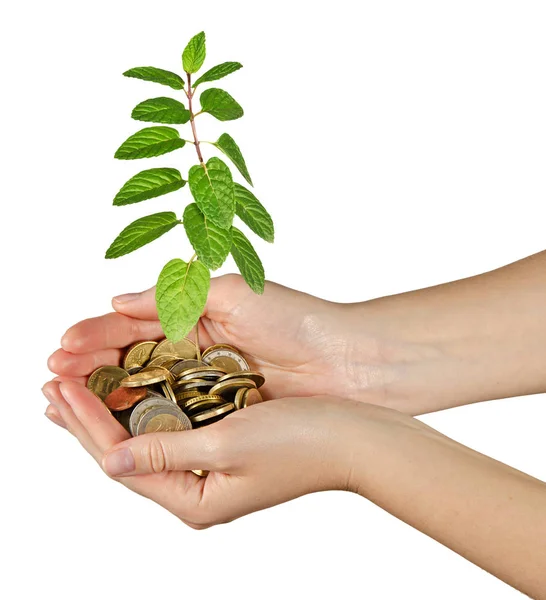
x,y
164,386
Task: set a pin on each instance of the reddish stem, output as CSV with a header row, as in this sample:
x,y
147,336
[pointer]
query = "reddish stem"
x,y
192,121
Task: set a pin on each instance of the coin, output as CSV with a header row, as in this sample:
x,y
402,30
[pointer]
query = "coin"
x,y
123,397
231,386
152,422
226,359
187,395
258,378
201,372
163,360
184,348
193,385
217,347
105,380
154,403
138,354
247,397
184,365
168,375
133,370
213,412
200,472
168,391
145,377
200,403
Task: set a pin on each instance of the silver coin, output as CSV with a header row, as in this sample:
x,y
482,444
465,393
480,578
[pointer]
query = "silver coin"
x,y
145,405
216,358
184,365
163,418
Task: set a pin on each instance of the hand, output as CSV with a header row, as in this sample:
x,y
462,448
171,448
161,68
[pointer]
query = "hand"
x,y
305,346
258,457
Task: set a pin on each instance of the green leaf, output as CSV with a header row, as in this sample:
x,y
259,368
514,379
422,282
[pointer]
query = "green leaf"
x,y
251,211
150,141
220,105
211,243
194,54
161,110
157,75
228,146
180,295
218,72
149,184
141,232
212,189
247,261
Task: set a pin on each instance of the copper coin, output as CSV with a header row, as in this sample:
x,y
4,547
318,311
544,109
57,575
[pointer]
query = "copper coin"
x,y
124,397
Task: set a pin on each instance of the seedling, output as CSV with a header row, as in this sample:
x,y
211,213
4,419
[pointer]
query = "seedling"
x,y
183,286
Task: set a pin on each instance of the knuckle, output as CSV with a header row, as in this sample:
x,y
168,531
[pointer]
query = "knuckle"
x,y
155,456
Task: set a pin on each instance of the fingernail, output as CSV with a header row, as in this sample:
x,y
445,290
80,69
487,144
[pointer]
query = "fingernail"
x,y
126,298
119,462
53,415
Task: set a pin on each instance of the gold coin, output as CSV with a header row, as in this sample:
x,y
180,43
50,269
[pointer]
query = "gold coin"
x,y
105,380
138,354
184,348
163,360
226,359
200,472
258,378
145,377
213,413
192,385
200,372
217,347
187,395
231,386
247,397
168,391
164,422
168,375
203,402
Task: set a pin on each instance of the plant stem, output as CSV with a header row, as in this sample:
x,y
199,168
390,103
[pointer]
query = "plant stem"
x,y
190,94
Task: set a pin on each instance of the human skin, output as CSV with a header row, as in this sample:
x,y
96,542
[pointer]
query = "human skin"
x,y
476,339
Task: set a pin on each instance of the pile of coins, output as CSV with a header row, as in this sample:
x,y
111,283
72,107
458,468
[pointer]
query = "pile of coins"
x,y
166,386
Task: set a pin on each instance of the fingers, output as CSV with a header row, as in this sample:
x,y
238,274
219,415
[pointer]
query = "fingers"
x,y
53,393
161,452
61,378
109,331
93,416
226,292
78,365
139,306
54,416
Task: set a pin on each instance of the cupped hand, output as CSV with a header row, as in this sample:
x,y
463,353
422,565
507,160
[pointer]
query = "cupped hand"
x,y
304,345
258,457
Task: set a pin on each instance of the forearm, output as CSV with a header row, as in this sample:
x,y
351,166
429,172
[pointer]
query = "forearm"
x,y
475,339
491,514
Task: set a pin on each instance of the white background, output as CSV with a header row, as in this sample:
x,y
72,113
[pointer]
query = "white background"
x,y
396,144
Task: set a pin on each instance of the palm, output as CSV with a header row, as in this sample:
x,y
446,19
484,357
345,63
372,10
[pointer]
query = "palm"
x,y
298,341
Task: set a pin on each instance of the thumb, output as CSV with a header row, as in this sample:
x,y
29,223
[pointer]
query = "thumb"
x,y
140,305
226,293
160,452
